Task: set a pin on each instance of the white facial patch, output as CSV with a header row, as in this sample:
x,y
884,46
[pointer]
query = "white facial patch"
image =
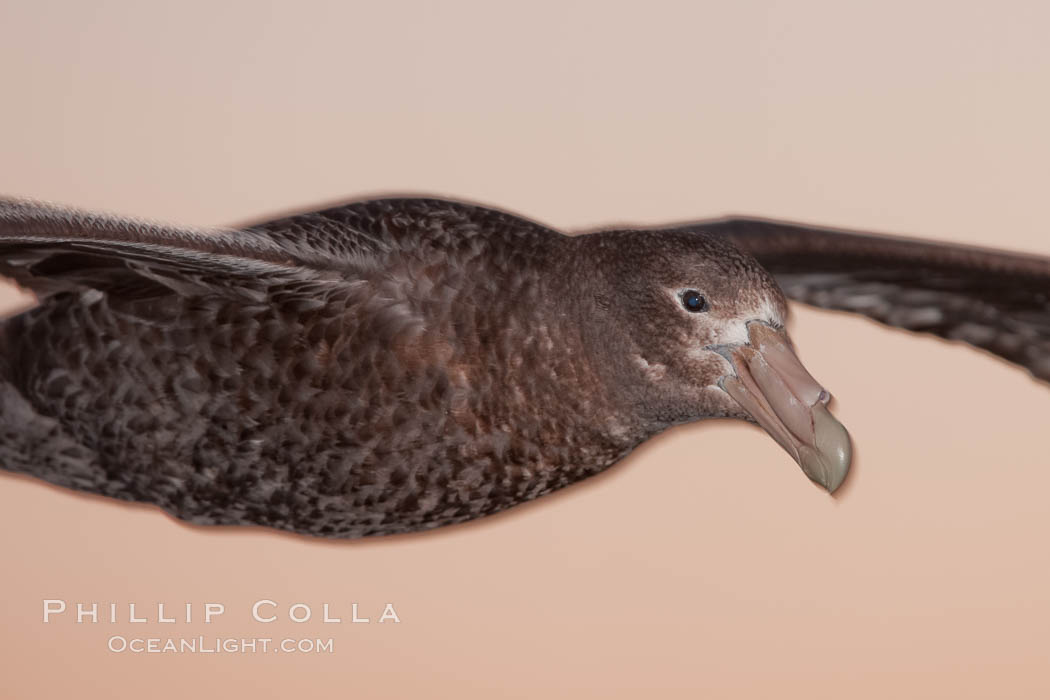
x,y
732,331
769,313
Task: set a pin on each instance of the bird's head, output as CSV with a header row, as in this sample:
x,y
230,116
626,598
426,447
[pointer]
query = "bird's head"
x,y
691,328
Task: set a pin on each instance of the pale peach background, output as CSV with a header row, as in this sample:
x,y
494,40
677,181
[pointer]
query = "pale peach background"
x,y
705,563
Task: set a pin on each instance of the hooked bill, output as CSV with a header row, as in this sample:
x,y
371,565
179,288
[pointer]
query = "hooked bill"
x,y
776,390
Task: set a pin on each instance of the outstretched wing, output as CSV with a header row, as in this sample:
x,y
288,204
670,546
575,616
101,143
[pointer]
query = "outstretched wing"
x,y
991,299
48,249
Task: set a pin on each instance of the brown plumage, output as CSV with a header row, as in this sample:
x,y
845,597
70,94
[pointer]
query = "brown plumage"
x,y
401,364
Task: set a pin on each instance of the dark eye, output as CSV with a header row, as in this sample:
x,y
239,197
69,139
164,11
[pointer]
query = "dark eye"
x,y
694,301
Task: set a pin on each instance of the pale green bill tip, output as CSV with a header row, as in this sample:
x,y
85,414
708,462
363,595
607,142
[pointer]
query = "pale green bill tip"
x,y
827,461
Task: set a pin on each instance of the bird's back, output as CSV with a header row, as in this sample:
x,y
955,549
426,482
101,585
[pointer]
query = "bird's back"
x,y
413,386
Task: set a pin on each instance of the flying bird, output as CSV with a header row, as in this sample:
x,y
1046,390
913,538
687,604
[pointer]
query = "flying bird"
x,y
396,365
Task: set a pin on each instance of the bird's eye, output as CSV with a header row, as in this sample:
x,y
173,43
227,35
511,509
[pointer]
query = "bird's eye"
x,y
694,301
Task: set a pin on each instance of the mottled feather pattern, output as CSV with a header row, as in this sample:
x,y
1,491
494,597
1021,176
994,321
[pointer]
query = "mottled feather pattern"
x,y
400,364
317,406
